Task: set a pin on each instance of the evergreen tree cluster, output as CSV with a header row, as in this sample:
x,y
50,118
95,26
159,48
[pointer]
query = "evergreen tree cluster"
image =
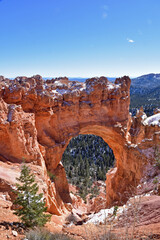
x,y
148,101
86,159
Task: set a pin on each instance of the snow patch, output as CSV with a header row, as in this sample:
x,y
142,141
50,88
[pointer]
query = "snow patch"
x,y
110,86
3,197
153,120
58,83
100,216
107,214
62,91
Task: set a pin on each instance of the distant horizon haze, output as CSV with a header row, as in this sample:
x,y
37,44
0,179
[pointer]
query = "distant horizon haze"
x,y
74,78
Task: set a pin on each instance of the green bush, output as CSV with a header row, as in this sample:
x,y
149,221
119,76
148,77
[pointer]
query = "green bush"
x,y
30,206
51,176
42,234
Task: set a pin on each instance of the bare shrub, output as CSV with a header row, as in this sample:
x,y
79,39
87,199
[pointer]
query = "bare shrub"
x,y
43,234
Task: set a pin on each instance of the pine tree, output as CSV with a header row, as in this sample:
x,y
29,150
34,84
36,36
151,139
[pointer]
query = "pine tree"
x,y
31,206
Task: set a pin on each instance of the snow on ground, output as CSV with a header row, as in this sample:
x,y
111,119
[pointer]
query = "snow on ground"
x,y
100,217
107,214
153,120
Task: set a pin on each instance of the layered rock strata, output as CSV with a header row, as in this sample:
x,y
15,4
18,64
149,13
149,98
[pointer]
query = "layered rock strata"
x,y
38,118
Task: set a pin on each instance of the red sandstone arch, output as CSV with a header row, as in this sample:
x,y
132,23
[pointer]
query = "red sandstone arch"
x,y
101,108
61,110
125,174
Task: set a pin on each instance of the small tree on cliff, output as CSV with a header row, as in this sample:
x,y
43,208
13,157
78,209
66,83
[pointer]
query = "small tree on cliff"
x,y
31,206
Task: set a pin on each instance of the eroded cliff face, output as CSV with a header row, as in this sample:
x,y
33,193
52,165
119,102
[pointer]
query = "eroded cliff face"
x,y
38,119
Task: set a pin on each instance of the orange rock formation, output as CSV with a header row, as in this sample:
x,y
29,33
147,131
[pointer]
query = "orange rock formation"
x,y
38,118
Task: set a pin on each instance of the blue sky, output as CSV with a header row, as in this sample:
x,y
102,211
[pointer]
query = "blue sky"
x,y
79,38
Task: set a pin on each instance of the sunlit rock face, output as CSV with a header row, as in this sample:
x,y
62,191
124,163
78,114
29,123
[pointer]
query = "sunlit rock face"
x,y
47,114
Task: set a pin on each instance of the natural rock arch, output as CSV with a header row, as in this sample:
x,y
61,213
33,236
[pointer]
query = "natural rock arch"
x,y
98,107
123,178
54,111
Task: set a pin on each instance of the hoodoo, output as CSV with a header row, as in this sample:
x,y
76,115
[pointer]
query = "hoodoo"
x,y
38,118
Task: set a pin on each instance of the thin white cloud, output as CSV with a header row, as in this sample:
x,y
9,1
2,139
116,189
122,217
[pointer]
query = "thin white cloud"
x,y
105,7
104,15
105,11
130,40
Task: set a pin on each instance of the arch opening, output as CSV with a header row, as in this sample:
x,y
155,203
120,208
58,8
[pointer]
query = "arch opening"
x,y
114,185
86,160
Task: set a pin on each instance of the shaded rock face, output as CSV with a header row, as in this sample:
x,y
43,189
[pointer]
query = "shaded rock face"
x,y
38,119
